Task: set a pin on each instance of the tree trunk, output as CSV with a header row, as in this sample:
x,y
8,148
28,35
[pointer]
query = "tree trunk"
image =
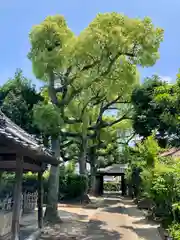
x,y
92,160
83,170
93,180
82,164
51,214
82,158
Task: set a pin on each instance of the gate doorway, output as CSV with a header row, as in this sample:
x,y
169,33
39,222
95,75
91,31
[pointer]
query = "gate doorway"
x,y
114,170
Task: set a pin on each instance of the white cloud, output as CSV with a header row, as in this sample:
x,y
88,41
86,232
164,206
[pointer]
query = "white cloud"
x,y
167,79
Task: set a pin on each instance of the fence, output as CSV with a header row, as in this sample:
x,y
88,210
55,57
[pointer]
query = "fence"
x,y
28,202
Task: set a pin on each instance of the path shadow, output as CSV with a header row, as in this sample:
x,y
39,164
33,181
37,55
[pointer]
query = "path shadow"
x,y
128,208
71,215
96,231
29,223
145,221
26,232
130,211
144,233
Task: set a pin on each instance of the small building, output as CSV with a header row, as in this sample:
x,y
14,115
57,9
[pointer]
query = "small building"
x,y
113,170
20,152
172,152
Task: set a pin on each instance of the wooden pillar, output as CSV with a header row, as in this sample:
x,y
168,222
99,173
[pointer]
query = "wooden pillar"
x,y
101,185
123,185
40,200
17,198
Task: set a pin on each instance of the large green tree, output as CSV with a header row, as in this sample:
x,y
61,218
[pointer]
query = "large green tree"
x,y
156,109
104,55
17,98
167,97
147,111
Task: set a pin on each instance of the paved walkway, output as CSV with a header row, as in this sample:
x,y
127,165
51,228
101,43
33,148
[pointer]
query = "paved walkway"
x,y
116,219
120,219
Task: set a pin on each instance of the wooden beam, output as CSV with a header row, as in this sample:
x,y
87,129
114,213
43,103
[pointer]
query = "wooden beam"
x,y
40,200
17,198
12,156
11,165
6,149
28,151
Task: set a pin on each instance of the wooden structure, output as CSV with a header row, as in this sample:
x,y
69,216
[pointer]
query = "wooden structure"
x,y
114,170
172,152
20,152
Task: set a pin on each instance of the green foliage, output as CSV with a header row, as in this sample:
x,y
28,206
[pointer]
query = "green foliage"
x,y
165,189
147,112
156,108
111,186
144,154
49,42
17,98
168,98
158,180
47,118
149,150
96,70
174,231
70,167
71,185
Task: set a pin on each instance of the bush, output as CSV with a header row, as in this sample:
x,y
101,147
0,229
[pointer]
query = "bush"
x,y
111,186
174,231
75,186
71,185
159,182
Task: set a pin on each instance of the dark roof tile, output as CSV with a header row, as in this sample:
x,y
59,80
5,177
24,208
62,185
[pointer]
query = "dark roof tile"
x,y
12,131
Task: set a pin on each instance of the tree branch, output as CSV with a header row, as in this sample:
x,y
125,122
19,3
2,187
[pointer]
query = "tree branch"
x,y
110,124
70,134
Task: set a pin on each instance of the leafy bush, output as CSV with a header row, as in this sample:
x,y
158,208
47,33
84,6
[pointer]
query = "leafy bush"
x,y
76,185
111,186
159,182
71,185
174,231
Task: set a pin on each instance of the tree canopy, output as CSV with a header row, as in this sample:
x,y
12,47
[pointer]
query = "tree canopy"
x,y
156,108
17,99
84,108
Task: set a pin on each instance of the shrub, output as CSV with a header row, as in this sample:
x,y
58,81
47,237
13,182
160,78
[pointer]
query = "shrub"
x,y
71,185
111,186
76,185
174,231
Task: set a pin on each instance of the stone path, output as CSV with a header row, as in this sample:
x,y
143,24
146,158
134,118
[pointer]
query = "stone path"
x,y
116,219
120,219
75,220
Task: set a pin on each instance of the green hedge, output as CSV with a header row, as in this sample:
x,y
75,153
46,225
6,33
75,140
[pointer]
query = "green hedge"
x,y
111,186
174,231
71,185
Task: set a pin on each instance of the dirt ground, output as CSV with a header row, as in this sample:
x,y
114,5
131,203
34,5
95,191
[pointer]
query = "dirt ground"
x,y
117,218
120,219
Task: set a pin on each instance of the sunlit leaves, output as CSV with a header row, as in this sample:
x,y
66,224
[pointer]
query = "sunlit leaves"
x,y
149,150
47,118
115,32
48,43
17,97
95,70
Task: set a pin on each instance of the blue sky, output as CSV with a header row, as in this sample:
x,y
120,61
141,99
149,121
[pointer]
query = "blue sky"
x,y
18,16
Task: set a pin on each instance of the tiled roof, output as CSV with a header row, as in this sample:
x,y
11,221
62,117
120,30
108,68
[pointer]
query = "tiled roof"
x,y
172,152
115,168
11,131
